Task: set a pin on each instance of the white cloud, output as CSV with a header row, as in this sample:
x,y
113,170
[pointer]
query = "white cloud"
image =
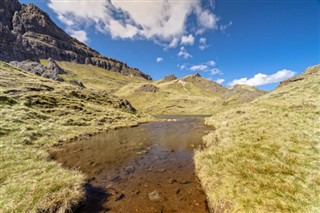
x,y
184,54
159,59
211,63
200,67
208,67
78,34
162,21
263,79
215,71
202,40
173,43
187,40
202,43
182,66
219,80
206,19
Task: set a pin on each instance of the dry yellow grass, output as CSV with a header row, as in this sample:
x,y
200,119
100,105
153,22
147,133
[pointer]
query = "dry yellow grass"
x,y
190,95
264,156
37,113
94,77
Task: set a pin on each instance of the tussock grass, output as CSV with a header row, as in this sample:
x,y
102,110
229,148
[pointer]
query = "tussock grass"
x,y
264,156
37,113
30,183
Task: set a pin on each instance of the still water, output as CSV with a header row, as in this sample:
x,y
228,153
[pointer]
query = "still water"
x,y
148,168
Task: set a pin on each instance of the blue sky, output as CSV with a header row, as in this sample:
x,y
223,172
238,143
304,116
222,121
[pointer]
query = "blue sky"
x,y
249,42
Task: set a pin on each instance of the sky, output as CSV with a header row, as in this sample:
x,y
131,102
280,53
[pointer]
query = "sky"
x,y
253,42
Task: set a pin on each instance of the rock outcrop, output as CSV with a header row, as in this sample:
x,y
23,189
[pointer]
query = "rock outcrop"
x,y
52,71
77,83
170,78
243,93
28,33
147,88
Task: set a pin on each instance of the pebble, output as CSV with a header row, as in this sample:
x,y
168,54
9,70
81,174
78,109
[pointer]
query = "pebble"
x,y
129,169
154,195
172,180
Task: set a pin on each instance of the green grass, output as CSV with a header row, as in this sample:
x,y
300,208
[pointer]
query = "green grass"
x,y
265,156
94,77
37,113
189,95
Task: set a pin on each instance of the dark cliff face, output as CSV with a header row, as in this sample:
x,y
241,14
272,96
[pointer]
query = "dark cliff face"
x,y
26,32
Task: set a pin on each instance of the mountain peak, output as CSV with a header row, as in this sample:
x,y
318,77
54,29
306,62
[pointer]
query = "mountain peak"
x,y
170,77
27,32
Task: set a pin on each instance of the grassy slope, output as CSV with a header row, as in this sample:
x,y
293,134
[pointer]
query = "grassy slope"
x,y
189,95
37,113
264,156
94,77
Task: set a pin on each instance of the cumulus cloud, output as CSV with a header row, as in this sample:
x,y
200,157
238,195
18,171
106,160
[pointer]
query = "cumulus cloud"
x,y
202,43
184,54
78,34
162,21
219,80
159,59
264,79
187,40
206,19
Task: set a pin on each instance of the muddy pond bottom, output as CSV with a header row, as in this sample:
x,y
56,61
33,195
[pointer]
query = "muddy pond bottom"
x,y
145,169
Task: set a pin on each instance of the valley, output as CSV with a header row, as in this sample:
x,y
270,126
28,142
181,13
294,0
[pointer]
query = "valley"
x,y
83,132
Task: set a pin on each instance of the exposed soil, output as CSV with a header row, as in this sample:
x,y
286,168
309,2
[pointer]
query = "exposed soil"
x,y
148,168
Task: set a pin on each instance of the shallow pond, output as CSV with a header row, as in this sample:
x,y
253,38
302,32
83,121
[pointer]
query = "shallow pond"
x,y
148,168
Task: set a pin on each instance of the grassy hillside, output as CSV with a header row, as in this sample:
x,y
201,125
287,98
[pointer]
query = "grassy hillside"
x,y
264,156
94,77
188,95
37,113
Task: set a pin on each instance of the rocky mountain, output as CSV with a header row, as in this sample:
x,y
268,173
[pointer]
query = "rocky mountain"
x,y
28,33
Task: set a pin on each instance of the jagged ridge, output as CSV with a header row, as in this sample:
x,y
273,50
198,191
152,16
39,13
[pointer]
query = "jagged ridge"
x,y
26,32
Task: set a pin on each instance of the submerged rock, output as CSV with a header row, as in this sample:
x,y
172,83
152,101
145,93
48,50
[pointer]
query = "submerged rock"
x,y
129,169
153,196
